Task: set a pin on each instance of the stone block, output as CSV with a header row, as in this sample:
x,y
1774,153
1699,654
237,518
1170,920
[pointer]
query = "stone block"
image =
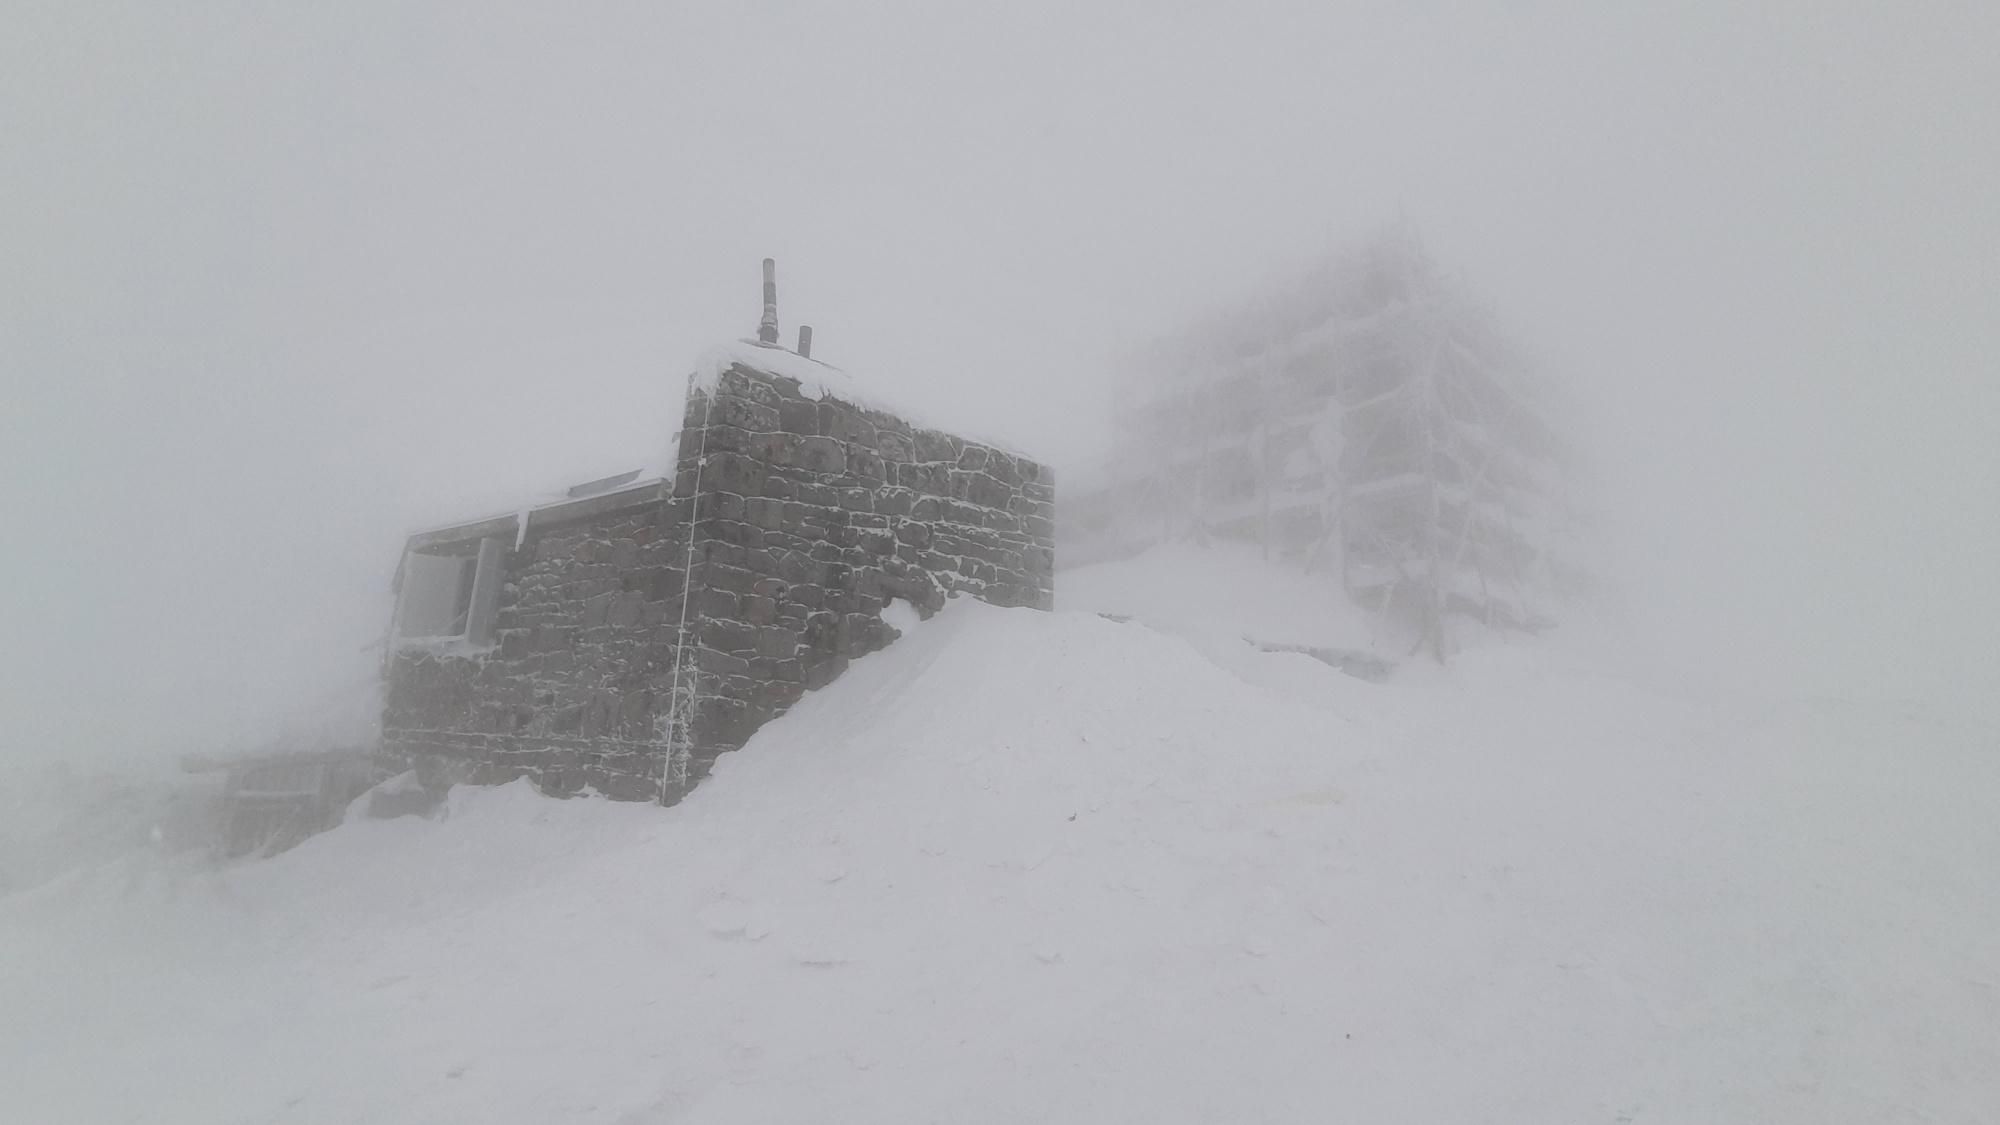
x,y
894,447
732,472
861,633
711,552
758,609
765,513
717,438
729,636
718,663
798,416
744,414
893,500
734,579
822,672
777,642
795,567
734,532
867,466
712,602
964,514
626,609
553,638
841,422
723,723
822,455
664,583
980,489
716,504
932,479
934,446
741,382
817,495
822,633
787,670
1005,469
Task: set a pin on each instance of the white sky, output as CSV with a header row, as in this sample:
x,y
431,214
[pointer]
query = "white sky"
x,y
277,282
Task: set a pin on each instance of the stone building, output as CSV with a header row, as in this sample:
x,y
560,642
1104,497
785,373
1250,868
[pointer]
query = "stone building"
x,y
619,639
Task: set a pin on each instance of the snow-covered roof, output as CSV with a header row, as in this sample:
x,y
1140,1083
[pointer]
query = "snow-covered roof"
x,y
819,380
816,380
647,477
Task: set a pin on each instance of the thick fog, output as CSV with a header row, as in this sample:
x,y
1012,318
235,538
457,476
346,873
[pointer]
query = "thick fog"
x,y
280,284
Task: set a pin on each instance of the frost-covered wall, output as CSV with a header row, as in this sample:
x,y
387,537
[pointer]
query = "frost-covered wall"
x,y
815,513
584,640
794,518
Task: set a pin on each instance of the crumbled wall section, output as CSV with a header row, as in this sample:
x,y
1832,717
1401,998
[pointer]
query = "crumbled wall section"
x,y
813,514
802,519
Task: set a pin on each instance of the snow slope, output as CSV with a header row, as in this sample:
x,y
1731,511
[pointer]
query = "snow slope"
x,y
1222,591
1046,867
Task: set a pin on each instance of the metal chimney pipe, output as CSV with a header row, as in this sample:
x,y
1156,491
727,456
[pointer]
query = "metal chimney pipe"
x,y
806,340
767,329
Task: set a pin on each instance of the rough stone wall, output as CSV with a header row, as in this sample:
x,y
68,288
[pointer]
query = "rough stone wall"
x,y
806,516
583,656
814,514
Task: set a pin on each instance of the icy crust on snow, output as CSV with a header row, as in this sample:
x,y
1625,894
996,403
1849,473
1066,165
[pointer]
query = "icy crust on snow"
x,y
1048,867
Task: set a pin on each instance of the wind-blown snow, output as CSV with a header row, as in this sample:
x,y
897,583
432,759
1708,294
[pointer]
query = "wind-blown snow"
x,y
1047,867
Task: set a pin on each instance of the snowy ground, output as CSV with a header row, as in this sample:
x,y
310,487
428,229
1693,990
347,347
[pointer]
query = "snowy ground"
x,y
1223,592
1032,867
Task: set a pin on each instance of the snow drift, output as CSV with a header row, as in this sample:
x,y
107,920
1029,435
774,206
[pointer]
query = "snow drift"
x,y
1050,867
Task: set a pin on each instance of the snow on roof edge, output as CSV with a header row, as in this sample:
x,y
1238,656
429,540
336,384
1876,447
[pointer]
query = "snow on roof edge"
x,y
819,380
816,379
